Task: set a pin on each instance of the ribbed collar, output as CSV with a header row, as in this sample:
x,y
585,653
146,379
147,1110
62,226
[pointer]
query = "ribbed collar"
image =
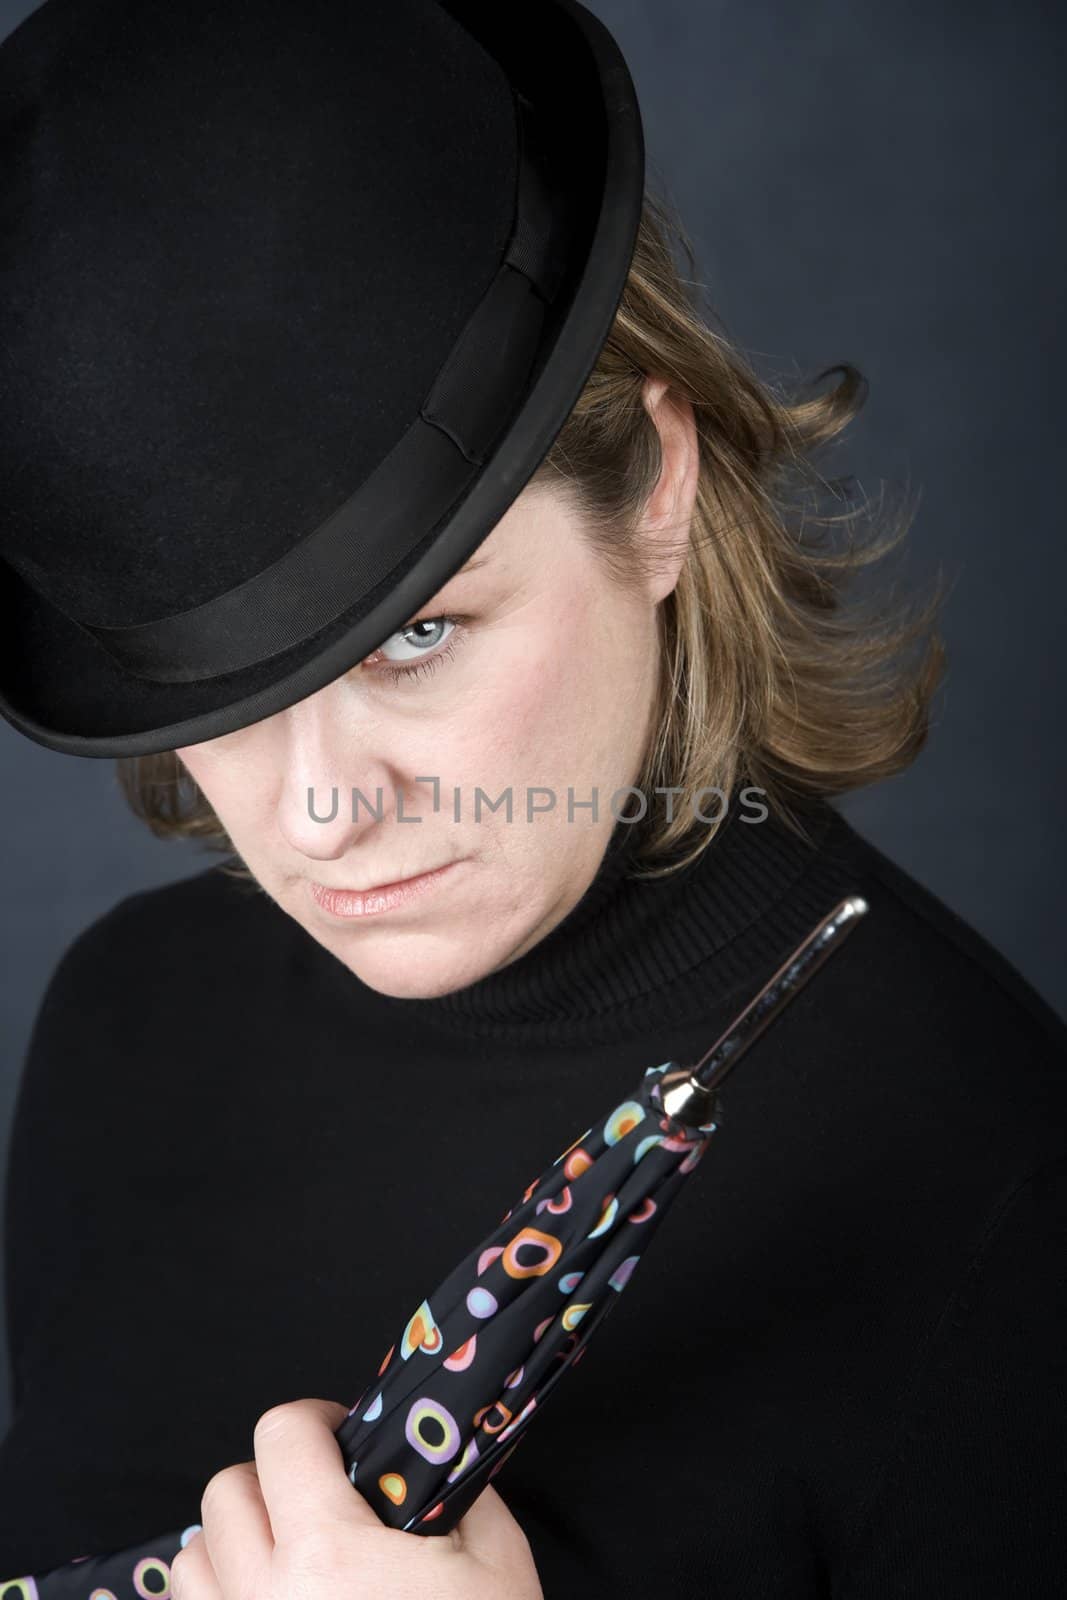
x,y
638,951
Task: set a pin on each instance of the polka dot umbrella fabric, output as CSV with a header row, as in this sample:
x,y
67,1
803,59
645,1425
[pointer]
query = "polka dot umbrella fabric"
x,y
477,1359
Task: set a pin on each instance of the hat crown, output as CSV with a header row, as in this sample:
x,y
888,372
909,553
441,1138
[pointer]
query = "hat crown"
x,y
237,243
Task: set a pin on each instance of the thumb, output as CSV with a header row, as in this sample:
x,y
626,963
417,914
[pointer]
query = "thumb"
x,y
332,1412
301,1469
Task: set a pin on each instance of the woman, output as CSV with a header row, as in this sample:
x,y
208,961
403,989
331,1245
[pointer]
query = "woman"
x,y
591,718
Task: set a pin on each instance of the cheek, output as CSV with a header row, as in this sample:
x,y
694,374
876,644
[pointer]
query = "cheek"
x,y
198,765
522,715
577,695
232,787
550,713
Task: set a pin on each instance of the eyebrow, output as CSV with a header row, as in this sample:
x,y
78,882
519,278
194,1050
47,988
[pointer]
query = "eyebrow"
x,y
479,559
476,560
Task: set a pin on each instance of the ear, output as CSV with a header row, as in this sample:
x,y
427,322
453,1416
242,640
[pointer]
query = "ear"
x,y
668,512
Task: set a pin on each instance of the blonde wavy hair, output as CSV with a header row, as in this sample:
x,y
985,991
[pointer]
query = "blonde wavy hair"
x,y
775,669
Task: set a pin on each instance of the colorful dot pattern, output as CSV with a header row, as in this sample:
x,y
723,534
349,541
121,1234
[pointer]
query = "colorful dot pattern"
x,y
140,1573
478,1358
421,1442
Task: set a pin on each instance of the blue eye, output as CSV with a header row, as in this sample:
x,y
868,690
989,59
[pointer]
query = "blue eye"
x,y
418,647
418,639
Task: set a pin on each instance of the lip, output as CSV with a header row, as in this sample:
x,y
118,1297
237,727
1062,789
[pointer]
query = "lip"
x,y
347,904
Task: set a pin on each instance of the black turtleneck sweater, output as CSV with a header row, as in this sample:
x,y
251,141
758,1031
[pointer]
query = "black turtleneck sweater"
x,y
840,1370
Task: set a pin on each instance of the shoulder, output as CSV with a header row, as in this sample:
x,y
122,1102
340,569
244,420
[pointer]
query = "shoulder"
x,y
123,989
912,929
933,928
964,1043
211,899
122,1069
164,935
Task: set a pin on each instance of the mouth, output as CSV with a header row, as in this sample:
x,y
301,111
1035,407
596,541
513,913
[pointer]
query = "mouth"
x,y
348,903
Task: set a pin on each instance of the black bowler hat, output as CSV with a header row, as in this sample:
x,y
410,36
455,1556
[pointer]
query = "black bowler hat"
x,y
294,297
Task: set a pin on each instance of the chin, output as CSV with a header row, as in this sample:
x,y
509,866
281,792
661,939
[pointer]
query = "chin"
x,y
414,973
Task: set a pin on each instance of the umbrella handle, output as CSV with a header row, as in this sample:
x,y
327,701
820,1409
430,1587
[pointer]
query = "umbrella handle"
x,y
689,1092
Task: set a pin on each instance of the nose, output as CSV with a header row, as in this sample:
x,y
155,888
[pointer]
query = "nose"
x,y
329,751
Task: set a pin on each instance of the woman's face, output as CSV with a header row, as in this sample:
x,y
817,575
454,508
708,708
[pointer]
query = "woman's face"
x,y
528,671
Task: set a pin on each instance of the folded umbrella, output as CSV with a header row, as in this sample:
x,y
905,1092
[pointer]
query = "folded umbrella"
x,y
477,1359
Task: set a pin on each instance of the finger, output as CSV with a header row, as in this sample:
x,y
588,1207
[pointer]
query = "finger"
x,y
301,1469
192,1577
237,1530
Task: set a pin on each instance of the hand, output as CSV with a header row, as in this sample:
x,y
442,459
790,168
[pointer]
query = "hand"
x,y
290,1526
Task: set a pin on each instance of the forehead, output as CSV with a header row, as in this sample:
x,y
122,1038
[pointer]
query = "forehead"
x,y
521,543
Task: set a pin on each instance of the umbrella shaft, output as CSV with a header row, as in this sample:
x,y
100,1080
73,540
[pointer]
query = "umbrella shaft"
x,y
777,992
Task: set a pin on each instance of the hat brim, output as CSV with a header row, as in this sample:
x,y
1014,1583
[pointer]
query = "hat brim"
x,y
62,689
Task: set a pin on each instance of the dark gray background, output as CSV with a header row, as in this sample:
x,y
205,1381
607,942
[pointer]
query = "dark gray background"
x,y
871,182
